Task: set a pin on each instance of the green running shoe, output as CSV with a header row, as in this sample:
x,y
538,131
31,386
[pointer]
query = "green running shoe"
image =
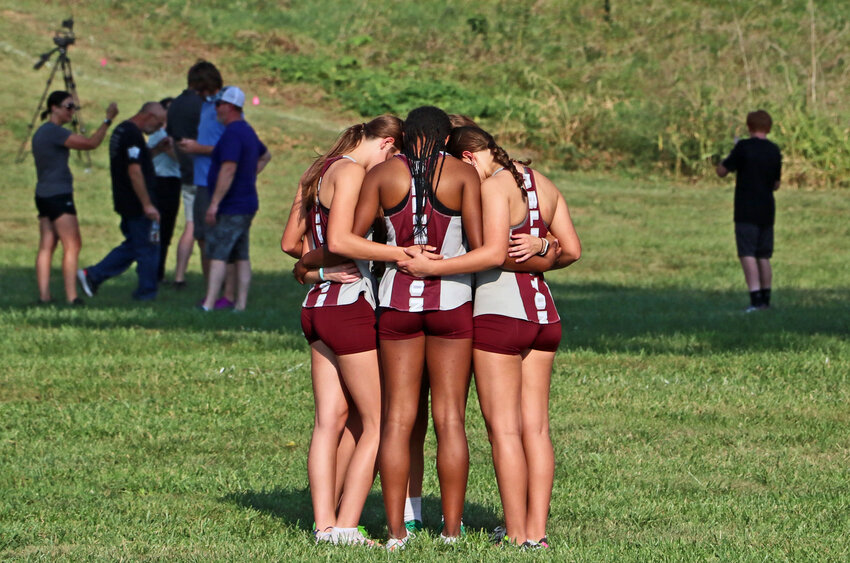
x,y
413,525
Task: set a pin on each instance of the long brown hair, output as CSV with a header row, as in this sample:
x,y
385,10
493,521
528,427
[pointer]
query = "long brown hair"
x,y
379,128
474,139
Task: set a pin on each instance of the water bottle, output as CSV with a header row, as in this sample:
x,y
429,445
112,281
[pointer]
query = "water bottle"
x,y
154,234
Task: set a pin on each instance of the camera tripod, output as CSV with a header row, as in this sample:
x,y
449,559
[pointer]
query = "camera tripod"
x,y
63,62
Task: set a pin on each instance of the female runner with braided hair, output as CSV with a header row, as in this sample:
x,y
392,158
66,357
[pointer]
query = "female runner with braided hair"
x,y
429,199
517,329
338,320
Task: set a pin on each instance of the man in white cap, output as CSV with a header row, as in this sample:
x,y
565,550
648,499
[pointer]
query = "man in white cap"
x,y
237,158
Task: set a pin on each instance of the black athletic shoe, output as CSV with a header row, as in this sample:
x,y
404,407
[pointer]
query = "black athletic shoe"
x,y
77,302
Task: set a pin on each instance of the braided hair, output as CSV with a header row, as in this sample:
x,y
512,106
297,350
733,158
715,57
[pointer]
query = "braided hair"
x,y
474,139
425,132
380,127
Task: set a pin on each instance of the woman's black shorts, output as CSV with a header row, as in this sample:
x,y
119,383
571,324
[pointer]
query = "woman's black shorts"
x,y
54,206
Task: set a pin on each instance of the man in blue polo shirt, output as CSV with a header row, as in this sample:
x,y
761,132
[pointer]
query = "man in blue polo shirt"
x,y
237,158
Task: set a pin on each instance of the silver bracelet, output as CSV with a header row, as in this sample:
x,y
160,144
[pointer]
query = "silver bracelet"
x,y
545,248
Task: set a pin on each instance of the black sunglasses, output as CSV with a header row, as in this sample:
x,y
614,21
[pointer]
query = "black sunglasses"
x,y
69,107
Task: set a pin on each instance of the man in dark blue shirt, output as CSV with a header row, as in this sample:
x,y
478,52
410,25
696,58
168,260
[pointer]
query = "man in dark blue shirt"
x,y
133,179
758,164
237,158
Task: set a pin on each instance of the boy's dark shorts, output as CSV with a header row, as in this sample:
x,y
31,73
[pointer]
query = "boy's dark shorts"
x,y
53,207
754,240
228,239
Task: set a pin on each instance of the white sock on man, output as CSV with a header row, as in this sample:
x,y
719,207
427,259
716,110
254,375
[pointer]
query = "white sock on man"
x,y
413,509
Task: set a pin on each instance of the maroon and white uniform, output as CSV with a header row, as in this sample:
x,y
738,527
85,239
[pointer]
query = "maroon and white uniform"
x,y
325,294
519,295
442,229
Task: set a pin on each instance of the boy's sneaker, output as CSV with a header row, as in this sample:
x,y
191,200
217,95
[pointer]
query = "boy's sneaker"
x,y
396,544
85,283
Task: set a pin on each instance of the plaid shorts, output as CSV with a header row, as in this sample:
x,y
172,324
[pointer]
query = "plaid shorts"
x,y
228,239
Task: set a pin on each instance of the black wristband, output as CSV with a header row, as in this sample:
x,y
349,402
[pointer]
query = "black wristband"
x,y
107,121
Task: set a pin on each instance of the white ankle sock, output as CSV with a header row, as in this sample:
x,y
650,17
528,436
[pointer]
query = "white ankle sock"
x,y
413,509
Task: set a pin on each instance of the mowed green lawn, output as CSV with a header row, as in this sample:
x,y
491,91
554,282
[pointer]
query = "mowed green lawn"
x,y
683,429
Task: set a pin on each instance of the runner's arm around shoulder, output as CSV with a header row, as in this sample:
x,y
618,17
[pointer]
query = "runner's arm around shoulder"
x,y
354,191
471,208
537,263
296,226
562,228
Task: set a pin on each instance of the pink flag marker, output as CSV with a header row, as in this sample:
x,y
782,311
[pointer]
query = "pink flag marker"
x,y
103,61
256,100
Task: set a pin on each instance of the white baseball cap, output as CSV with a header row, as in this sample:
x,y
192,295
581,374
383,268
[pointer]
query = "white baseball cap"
x,y
232,95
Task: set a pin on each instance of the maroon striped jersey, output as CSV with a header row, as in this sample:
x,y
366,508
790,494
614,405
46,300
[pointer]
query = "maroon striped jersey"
x,y
325,294
440,227
519,295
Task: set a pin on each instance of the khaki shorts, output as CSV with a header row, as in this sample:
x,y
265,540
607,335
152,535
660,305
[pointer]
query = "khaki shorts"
x,y
188,192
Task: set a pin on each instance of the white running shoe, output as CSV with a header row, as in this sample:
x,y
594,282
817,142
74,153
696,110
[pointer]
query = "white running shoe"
x,y
83,278
355,537
396,544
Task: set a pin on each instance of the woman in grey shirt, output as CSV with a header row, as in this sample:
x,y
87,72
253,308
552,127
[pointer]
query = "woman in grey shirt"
x,y
57,216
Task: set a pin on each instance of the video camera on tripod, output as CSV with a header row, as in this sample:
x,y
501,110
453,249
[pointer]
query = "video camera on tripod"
x,y
63,39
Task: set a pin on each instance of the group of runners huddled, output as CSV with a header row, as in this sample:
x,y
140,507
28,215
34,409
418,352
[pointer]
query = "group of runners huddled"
x,y
460,235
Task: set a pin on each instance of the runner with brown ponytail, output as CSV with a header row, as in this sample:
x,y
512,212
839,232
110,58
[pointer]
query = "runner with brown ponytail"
x,y
338,320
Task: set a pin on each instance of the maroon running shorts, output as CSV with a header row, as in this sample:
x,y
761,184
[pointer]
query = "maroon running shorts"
x,y
346,329
507,335
403,325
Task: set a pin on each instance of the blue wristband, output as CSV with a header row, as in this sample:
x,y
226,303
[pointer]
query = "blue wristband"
x,y
322,274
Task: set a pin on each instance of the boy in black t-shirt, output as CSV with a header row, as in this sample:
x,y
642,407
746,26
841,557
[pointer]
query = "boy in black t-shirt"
x,y
758,163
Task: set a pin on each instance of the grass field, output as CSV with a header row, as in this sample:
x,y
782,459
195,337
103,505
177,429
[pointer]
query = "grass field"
x,y
683,429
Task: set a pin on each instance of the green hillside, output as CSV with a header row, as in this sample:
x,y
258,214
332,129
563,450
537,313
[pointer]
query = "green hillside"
x,y
655,85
